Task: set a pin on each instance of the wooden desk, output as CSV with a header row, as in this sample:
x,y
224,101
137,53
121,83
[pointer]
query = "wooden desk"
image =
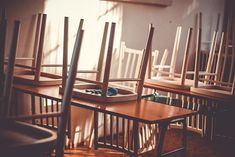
x,y
151,84
209,106
136,111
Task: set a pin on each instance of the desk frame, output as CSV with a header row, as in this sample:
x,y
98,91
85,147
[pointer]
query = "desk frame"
x,y
210,108
131,148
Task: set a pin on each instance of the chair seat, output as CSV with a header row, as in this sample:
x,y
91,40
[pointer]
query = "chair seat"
x,y
23,139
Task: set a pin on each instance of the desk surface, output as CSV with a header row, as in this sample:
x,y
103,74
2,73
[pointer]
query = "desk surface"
x,y
151,84
143,110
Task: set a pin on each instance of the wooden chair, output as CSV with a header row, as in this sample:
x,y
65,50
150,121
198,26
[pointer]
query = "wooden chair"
x,y
23,139
171,78
86,89
205,64
180,81
33,75
214,87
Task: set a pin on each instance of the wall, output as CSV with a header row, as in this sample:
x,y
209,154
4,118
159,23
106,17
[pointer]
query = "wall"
x,y
132,19
25,11
165,19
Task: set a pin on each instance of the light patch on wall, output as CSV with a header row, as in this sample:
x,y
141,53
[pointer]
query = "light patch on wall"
x,y
94,13
191,8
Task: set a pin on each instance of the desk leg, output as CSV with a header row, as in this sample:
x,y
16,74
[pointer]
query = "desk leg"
x,y
136,137
162,133
209,127
96,129
184,137
33,107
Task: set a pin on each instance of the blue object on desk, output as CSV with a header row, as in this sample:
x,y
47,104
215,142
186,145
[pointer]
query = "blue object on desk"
x,y
111,91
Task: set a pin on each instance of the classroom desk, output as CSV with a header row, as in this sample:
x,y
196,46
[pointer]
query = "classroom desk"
x,y
136,111
212,107
151,84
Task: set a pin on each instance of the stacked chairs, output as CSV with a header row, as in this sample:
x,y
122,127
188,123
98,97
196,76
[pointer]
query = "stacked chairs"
x,y
104,90
215,86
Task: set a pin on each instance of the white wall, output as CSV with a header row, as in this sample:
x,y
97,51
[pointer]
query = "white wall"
x,y
132,19
165,19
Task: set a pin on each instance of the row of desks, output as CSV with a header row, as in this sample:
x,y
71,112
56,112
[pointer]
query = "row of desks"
x,y
212,108
139,111
151,84
143,110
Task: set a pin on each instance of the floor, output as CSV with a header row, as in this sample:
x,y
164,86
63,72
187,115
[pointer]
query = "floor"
x,y
197,147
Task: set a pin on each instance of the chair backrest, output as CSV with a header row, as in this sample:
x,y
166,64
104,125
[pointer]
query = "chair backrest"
x,y
68,93
8,76
129,64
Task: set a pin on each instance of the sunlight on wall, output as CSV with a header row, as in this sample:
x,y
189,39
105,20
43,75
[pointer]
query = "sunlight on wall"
x,y
95,13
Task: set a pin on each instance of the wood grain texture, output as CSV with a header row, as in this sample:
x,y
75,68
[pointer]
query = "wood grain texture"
x,y
143,110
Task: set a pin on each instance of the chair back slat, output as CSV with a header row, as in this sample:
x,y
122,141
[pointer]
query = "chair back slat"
x,y
162,62
129,64
155,55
